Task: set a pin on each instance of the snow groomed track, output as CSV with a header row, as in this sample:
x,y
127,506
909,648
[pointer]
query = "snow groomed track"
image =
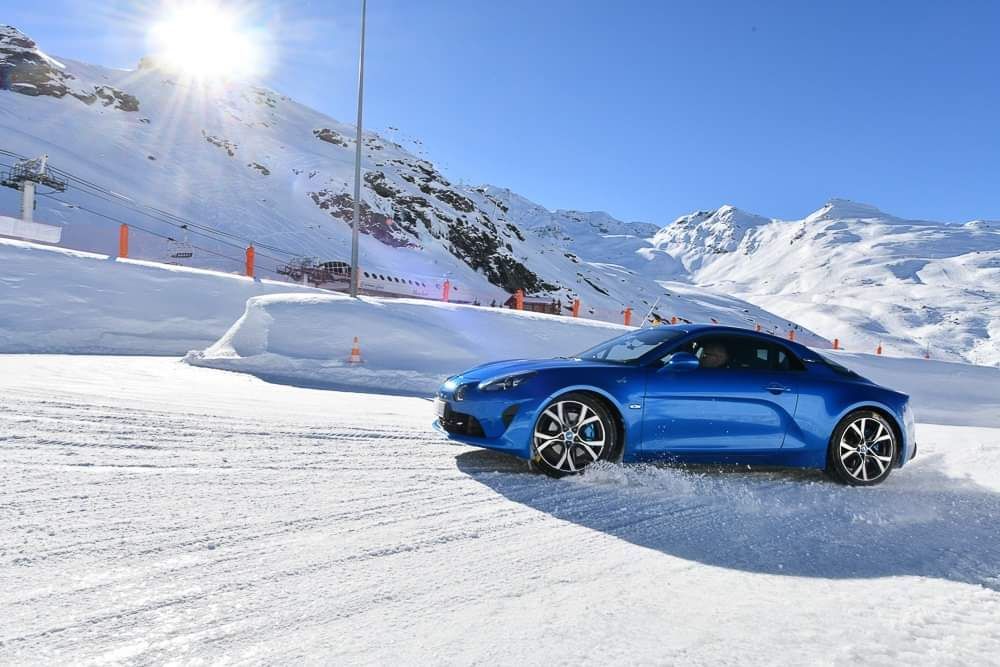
x,y
152,511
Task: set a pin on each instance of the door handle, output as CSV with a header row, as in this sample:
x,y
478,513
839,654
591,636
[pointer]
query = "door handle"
x,y
777,388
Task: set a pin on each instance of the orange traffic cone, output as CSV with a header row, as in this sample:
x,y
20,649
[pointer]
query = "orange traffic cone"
x,y
355,353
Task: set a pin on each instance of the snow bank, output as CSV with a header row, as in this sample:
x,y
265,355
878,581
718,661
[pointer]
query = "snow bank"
x,y
408,346
63,301
941,392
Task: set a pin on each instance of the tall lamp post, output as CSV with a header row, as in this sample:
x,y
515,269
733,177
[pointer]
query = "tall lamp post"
x,y
355,227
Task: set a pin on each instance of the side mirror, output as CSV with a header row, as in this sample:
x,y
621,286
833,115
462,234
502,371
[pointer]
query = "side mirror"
x,y
682,361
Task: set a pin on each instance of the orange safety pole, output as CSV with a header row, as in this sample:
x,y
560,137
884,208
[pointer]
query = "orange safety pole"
x,y
628,315
519,299
250,257
791,334
355,357
878,350
123,241
446,290
836,343
576,308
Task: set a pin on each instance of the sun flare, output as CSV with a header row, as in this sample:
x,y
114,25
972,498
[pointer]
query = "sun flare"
x,y
206,41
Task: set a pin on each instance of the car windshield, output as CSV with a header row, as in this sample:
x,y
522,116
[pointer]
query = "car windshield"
x,y
629,348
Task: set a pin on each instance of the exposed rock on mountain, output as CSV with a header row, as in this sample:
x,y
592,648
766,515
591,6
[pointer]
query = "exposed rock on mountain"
x,y
28,71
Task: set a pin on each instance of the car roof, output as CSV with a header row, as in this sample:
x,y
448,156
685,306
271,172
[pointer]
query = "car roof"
x,y
800,349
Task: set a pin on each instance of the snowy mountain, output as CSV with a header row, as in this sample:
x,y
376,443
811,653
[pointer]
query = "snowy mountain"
x,y
853,272
248,164
244,163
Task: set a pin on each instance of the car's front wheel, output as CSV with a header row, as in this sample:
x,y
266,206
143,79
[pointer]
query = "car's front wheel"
x,y
862,449
572,432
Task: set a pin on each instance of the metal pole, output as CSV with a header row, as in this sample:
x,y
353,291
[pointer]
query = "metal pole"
x,y
27,201
356,226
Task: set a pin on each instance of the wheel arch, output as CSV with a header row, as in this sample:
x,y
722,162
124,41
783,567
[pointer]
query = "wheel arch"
x,y
610,402
885,413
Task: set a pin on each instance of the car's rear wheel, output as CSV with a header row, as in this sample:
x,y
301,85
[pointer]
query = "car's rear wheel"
x,y
572,432
863,449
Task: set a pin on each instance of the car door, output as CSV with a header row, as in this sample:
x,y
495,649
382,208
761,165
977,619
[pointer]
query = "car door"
x,y
744,403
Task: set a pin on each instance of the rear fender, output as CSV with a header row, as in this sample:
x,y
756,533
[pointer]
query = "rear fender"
x,y
894,415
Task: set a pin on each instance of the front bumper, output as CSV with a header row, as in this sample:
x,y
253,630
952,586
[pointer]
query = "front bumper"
x,y
494,420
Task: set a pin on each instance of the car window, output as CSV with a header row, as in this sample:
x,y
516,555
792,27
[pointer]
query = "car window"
x,y
630,347
734,352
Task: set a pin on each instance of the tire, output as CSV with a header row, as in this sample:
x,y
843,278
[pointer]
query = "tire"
x,y
572,432
863,449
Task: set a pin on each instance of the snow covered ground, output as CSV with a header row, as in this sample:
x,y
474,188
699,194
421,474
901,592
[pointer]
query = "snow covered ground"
x,y
408,345
154,511
57,300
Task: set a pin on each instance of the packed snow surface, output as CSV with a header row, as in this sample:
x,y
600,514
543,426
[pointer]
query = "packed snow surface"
x,y
157,512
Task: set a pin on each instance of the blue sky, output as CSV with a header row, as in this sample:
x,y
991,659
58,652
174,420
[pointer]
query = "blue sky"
x,y
644,109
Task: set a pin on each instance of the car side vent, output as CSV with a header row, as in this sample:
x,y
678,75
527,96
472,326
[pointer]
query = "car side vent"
x,y
508,415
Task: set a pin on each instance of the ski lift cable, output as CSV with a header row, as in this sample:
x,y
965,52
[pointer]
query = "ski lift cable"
x,y
199,248
132,224
120,199
111,196
151,232
185,226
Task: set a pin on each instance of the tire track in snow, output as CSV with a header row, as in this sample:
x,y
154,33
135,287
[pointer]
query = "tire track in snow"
x,y
262,523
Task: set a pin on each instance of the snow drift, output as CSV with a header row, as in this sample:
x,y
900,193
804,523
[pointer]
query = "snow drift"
x,y
55,300
941,392
409,346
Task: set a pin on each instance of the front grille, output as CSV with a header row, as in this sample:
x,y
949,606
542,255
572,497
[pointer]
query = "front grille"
x,y
460,423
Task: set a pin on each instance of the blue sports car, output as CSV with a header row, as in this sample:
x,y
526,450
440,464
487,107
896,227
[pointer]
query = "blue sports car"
x,y
697,394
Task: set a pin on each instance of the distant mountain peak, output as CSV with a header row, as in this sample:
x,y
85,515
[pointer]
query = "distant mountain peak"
x,y
845,209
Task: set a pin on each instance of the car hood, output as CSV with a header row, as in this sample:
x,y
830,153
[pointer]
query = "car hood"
x,y
512,366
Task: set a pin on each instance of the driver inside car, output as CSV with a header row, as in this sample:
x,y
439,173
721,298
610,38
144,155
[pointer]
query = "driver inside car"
x,y
714,355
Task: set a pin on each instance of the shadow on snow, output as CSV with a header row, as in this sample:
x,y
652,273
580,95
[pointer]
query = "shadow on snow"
x,y
918,523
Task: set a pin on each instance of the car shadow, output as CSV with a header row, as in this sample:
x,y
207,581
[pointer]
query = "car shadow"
x,y
795,523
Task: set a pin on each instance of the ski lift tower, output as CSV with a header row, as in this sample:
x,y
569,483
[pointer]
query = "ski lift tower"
x,y
25,176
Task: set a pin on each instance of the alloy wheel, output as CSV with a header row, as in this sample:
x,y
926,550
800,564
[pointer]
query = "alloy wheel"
x,y
569,436
866,449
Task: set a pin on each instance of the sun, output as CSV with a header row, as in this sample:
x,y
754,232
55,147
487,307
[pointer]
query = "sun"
x,y
204,40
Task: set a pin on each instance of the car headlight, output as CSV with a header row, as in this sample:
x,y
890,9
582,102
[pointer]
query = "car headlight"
x,y
505,382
